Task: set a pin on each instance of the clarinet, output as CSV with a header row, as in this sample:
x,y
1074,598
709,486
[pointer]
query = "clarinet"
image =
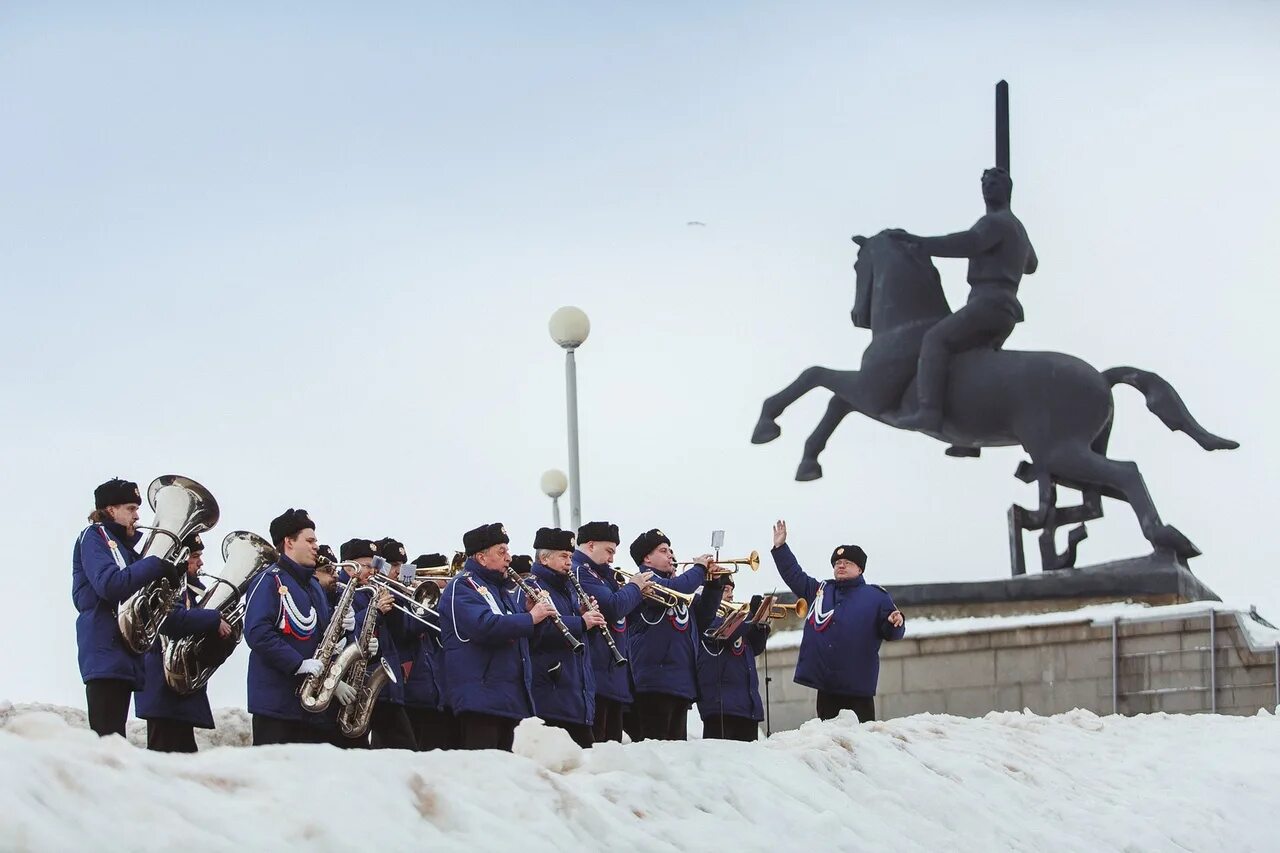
x,y
589,604
534,594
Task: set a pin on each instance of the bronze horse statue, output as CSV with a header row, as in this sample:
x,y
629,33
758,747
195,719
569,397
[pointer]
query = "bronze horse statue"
x,y
1056,406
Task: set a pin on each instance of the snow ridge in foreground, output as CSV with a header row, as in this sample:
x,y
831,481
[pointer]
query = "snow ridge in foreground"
x,y
1009,781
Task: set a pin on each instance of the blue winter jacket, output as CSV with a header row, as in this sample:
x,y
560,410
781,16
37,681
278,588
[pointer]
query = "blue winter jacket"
x,y
728,684
486,645
847,621
424,687
664,642
156,700
285,619
617,602
564,684
105,570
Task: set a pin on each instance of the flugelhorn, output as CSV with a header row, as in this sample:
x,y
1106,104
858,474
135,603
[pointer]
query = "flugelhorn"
x,y
719,567
182,507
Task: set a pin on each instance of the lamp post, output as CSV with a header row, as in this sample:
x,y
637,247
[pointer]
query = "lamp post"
x,y
554,482
569,328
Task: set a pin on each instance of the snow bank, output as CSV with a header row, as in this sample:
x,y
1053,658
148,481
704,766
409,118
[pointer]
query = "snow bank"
x,y
1260,636
1009,781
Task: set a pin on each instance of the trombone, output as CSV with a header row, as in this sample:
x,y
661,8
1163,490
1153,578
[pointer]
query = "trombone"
x,y
415,609
427,582
718,567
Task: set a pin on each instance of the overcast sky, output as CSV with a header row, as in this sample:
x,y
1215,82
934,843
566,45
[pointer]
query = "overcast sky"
x,y
306,253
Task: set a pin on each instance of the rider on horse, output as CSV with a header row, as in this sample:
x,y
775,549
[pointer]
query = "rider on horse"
x,y
999,253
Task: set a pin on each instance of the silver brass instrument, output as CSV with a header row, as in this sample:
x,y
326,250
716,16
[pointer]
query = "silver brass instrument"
x,y
245,556
353,719
316,691
412,607
590,604
182,507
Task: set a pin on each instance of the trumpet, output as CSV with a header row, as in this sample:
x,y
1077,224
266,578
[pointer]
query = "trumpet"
x,y
720,568
657,592
774,610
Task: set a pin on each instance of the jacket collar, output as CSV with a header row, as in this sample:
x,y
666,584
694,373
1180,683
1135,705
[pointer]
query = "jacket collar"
x,y
545,575
118,533
301,574
489,576
851,583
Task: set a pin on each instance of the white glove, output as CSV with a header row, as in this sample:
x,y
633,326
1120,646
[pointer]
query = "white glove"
x,y
344,693
373,647
310,666
342,644
349,619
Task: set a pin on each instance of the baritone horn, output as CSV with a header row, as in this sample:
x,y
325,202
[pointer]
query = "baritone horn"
x,y
182,507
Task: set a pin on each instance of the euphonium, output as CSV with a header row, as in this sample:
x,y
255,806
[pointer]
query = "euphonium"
x,y
353,720
316,691
187,665
182,507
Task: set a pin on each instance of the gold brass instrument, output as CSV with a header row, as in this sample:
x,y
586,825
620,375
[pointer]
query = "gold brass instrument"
x,y
658,593
427,582
182,507
353,719
316,691
776,611
187,664
720,567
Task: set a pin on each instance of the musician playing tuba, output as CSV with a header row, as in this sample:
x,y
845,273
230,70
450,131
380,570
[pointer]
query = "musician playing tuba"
x,y
105,570
286,615
172,718
487,625
564,684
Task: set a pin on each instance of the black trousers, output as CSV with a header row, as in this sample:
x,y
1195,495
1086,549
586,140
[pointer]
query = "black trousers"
x,y
335,737
831,704
608,724
580,732
662,716
389,728
486,731
170,736
977,324
269,730
631,722
729,727
433,729
108,702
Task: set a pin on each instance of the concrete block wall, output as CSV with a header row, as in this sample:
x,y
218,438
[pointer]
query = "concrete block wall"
x,y
1161,666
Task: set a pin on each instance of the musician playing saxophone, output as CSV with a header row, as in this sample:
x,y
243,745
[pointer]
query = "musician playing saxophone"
x,y
286,615
664,645
564,685
172,718
597,545
389,726
487,625
106,570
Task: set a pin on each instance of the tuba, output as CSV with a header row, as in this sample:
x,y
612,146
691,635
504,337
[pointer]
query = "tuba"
x,y
190,661
182,507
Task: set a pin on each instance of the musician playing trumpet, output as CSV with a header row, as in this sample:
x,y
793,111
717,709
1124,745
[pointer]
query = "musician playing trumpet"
x,y
664,645
564,685
172,718
434,726
106,570
487,624
728,685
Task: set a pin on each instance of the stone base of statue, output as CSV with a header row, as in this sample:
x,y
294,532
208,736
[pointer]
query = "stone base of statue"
x,y
1154,580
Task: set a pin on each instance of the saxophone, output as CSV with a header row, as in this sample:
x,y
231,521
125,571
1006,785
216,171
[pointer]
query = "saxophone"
x,y
353,720
316,691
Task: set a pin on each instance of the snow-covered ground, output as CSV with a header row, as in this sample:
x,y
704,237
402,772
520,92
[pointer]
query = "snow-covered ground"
x,y
1009,781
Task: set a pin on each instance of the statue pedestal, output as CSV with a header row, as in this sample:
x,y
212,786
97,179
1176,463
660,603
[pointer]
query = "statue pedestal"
x,y
1154,579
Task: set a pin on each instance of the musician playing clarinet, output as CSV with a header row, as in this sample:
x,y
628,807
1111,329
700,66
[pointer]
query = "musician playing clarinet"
x,y
487,625
564,685
172,718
